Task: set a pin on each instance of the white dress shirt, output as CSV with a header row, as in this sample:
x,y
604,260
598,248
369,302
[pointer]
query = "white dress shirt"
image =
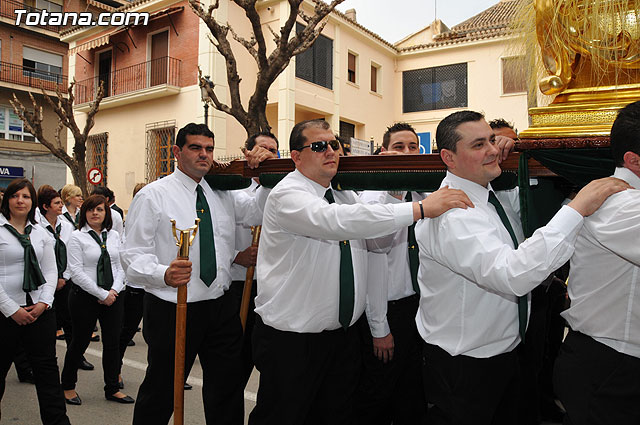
x,y
150,246
66,229
299,255
12,297
83,254
253,195
395,282
470,274
604,282
117,223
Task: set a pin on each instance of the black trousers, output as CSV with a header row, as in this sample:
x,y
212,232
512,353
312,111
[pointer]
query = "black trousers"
x,y
305,378
61,305
133,300
236,289
39,342
597,384
393,392
214,334
471,391
85,310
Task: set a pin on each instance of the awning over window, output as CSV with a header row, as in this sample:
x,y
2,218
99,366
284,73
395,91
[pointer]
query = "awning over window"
x,y
96,42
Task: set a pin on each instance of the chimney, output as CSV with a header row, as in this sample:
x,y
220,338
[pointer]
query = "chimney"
x,y
351,14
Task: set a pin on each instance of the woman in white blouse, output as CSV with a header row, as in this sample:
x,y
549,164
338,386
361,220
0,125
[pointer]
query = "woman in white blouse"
x,y
28,278
72,198
98,278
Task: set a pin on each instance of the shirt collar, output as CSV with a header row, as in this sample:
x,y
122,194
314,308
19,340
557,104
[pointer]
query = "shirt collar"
x,y
3,220
187,181
627,175
473,190
87,229
317,188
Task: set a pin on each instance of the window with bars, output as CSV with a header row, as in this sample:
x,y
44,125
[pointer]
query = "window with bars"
x,y
316,63
96,155
351,67
161,137
513,75
347,130
440,87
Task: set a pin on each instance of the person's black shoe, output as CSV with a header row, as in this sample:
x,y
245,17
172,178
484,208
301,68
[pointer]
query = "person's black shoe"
x,y
26,377
75,401
187,386
124,400
95,337
85,365
131,343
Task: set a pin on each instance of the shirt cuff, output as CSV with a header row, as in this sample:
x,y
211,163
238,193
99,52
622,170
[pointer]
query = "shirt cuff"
x,y
158,276
403,213
566,221
10,308
379,329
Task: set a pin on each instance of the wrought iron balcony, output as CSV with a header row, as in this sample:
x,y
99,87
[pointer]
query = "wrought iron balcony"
x,y
145,75
31,77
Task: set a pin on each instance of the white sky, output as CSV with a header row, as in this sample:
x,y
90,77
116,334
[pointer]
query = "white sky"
x,y
395,19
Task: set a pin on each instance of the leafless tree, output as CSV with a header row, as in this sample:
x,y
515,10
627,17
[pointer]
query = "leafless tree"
x,y
270,64
63,107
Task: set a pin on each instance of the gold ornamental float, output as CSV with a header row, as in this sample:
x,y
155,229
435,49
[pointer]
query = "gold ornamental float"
x,y
590,52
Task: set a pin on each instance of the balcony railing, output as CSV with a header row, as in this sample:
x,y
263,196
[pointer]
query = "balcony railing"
x,y
165,70
31,77
8,8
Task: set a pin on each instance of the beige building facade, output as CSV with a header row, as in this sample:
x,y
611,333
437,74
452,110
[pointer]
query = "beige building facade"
x,y
351,77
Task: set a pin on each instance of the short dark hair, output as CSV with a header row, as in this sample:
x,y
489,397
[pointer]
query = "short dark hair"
x,y
45,197
15,186
625,133
297,140
192,129
500,123
104,191
251,141
395,128
90,203
447,135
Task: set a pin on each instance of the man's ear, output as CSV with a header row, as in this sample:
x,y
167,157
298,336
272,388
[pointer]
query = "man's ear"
x,y
295,156
176,150
632,162
448,157
383,149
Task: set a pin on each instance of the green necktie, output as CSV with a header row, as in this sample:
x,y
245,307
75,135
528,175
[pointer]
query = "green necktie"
x,y
414,260
71,220
60,249
347,289
104,273
33,277
208,267
522,301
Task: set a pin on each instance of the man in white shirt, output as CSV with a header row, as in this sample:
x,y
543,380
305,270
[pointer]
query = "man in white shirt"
x,y
312,268
597,374
471,277
247,254
391,389
214,332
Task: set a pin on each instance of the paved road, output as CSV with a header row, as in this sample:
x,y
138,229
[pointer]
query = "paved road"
x,y
20,405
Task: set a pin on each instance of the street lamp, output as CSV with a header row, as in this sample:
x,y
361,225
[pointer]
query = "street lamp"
x,y
204,96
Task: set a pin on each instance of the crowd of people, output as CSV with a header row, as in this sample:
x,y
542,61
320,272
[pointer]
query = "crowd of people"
x,y
368,308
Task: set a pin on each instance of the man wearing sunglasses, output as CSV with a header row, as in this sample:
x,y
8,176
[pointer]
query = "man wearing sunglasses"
x,y
312,283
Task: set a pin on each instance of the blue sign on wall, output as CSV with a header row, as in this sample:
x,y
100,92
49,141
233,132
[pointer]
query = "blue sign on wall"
x,y
11,172
425,142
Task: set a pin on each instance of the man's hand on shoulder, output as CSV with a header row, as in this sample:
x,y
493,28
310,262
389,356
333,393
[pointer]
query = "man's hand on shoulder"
x,y
383,348
505,146
178,273
593,195
442,200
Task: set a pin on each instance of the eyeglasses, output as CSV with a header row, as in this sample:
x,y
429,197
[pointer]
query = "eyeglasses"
x,y
321,146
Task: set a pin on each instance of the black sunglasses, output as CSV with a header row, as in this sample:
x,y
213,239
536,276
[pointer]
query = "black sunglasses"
x,y
321,146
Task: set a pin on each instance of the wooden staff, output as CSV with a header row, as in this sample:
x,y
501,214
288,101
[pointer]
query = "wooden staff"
x,y
184,239
248,281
